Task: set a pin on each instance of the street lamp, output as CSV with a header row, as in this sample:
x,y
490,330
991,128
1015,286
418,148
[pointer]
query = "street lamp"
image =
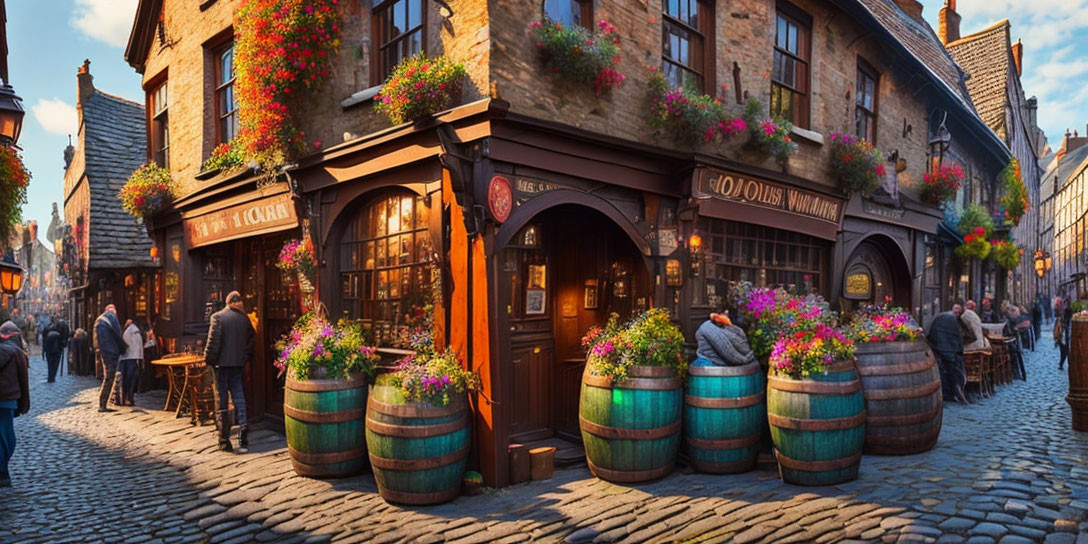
x,y
11,277
1040,264
11,115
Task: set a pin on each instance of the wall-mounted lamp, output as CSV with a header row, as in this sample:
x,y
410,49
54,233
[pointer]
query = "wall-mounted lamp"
x,y
695,246
444,9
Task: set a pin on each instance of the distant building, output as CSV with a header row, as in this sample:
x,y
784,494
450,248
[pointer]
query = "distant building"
x,y
1069,176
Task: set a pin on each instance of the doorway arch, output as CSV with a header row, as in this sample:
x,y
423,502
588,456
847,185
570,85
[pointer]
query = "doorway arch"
x,y
877,272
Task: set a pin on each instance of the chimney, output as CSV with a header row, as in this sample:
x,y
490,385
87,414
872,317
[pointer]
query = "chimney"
x,y
1072,142
948,23
1018,56
912,8
69,153
85,81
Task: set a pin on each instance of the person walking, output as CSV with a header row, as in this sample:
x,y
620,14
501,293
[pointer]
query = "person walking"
x,y
131,361
228,349
1037,320
52,347
14,393
109,345
1063,314
945,336
1018,328
80,358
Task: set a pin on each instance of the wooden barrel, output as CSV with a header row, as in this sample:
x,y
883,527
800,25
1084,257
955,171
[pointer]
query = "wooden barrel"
x,y
418,452
725,411
818,425
1078,372
323,420
903,399
631,429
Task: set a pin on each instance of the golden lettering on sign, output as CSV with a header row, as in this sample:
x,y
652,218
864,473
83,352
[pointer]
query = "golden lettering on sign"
x,y
767,194
277,211
857,284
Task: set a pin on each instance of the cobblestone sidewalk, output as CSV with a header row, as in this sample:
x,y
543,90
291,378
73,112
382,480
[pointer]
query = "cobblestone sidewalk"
x,y
1008,470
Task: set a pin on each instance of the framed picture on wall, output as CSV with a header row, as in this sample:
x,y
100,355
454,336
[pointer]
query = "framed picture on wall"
x,y
591,302
535,301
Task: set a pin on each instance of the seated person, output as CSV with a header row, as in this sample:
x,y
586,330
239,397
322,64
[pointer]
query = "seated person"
x,y
722,343
974,340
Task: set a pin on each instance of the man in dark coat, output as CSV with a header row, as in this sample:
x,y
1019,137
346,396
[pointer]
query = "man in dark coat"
x,y
1037,319
108,344
228,349
14,393
53,342
946,338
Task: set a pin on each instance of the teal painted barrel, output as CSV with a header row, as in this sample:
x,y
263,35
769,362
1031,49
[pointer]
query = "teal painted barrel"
x,y
631,429
323,420
903,400
725,411
818,425
418,451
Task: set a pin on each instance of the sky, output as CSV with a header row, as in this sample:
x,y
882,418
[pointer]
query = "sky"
x,y
48,40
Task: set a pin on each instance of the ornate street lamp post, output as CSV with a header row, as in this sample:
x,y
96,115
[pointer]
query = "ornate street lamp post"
x,y
11,115
11,277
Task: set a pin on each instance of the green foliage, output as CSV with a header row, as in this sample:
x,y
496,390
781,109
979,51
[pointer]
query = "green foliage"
x,y
687,115
420,86
976,226
226,156
1006,254
768,136
650,339
14,179
315,344
149,189
579,54
857,164
1015,200
432,377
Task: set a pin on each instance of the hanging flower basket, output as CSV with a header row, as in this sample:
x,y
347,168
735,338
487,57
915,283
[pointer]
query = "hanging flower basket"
x,y
858,165
768,136
420,86
297,256
1015,200
940,185
976,226
689,116
226,156
14,179
1006,254
148,190
580,55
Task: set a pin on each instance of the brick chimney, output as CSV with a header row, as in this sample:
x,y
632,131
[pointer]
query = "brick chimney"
x,y
85,81
948,23
912,8
1072,142
1018,56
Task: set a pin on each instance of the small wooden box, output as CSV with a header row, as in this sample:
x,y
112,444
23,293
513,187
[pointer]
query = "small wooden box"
x,y
543,462
519,463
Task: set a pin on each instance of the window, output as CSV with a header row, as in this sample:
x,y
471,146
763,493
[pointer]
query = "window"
x,y
790,76
385,254
226,107
398,31
686,54
160,125
570,12
865,108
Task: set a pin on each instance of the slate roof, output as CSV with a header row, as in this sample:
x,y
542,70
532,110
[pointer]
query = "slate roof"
x,y
987,57
114,143
1070,165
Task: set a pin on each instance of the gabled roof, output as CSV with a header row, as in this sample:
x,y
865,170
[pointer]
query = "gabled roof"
x,y
1071,164
114,145
987,56
143,33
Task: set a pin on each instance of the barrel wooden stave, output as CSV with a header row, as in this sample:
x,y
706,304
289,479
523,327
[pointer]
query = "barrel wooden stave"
x,y
903,399
1078,372
830,411
323,421
631,435
725,411
418,452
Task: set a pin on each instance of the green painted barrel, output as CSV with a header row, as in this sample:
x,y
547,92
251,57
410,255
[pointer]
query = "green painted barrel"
x,y
631,429
818,425
725,411
418,452
903,400
324,424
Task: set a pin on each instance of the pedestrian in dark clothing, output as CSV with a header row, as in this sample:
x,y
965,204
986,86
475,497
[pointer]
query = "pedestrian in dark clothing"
x,y
79,353
1063,315
14,393
1037,320
946,338
66,334
53,341
110,346
228,349
988,313
1016,328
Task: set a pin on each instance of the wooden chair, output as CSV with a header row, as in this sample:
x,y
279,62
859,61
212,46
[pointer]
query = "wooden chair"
x,y
999,358
200,389
974,368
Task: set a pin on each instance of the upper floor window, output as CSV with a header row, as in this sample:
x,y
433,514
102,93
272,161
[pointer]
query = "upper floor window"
x,y
160,125
685,46
865,105
790,76
226,107
398,34
570,12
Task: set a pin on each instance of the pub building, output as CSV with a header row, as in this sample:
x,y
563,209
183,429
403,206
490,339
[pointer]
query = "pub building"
x,y
539,208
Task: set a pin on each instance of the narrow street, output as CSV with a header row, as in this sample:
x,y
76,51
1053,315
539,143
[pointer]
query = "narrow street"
x,y
1008,469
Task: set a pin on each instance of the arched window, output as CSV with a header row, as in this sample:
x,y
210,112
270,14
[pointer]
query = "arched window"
x,y
385,253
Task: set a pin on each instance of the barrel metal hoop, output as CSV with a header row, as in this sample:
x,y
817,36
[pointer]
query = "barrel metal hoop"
x,y
817,424
724,402
899,368
899,420
814,387
840,366
323,385
643,384
816,466
726,444
426,463
616,433
457,403
326,458
903,392
724,371
310,416
407,497
646,371
625,476
417,431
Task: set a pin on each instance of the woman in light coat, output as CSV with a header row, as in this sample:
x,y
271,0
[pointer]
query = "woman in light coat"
x,y
131,360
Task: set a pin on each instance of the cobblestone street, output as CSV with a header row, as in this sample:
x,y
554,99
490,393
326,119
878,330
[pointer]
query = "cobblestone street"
x,y
1007,469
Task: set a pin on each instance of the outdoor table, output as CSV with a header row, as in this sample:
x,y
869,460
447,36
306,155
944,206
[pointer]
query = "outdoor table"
x,y
175,374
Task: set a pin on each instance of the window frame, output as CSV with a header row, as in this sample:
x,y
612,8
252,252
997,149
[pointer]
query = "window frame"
x,y
220,87
801,97
585,12
865,69
705,32
158,122
379,72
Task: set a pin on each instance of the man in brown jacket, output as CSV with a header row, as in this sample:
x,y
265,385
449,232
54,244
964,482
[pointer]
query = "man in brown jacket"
x,y
14,393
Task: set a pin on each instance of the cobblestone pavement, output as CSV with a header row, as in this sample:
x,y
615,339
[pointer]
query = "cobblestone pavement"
x,y
1008,470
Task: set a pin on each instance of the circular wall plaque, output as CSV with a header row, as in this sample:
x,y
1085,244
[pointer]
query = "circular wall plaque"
x,y
500,198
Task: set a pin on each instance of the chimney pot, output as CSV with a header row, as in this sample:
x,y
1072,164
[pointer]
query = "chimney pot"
x,y
85,81
948,23
1018,56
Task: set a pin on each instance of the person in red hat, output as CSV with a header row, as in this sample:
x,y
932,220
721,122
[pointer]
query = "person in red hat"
x,y
14,393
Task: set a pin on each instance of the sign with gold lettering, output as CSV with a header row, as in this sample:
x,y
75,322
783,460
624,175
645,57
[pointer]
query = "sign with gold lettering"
x,y
858,284
752,191
261,216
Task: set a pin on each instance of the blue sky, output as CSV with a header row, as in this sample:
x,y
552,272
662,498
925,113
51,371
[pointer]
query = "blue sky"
x,y
48,40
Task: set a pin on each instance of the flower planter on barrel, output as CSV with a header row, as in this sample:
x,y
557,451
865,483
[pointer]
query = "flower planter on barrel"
x,y
725,412
903,400
323,420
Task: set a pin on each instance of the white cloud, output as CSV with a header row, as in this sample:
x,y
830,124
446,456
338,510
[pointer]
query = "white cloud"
x,y
56,116
109,21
